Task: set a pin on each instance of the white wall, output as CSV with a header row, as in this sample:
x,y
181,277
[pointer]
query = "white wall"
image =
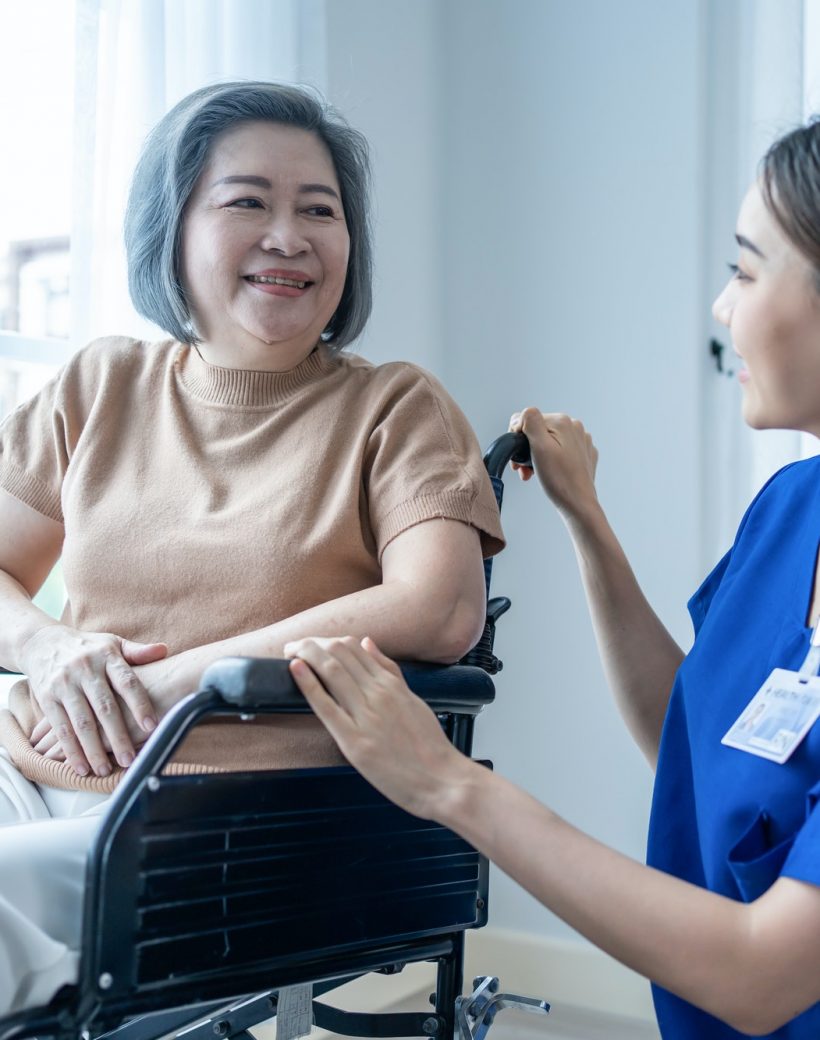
x,y
539,175
384,61
572,165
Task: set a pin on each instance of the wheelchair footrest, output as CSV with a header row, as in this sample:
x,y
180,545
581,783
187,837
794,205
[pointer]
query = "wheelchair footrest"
x,y
476,1013
385,1024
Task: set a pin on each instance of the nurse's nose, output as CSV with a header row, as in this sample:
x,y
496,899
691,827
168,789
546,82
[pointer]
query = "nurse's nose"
x,y
722,307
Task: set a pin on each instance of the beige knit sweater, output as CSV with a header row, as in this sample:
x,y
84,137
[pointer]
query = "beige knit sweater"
x,y
202,502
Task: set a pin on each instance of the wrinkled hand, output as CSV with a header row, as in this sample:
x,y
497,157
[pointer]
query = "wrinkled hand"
x,y
563,455
388,733
90,695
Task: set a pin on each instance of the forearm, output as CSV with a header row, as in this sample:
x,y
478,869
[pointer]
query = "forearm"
x,y
640,657
753,965
407,621
20,619
695,943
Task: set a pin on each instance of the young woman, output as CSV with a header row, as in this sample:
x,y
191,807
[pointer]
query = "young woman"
x,y
725,918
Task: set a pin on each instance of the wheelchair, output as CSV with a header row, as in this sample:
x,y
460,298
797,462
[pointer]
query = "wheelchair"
x,y
215,902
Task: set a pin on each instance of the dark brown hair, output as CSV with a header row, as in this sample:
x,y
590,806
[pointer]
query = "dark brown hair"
x,y
790,184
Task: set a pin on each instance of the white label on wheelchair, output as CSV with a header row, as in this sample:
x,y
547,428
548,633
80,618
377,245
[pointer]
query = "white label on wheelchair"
x,y
294,1012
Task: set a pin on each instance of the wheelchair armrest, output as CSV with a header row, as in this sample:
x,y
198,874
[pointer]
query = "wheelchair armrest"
x,y
252,684
258,685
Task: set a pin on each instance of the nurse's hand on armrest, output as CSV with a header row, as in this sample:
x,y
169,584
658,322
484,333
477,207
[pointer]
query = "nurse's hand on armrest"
x,y
383,729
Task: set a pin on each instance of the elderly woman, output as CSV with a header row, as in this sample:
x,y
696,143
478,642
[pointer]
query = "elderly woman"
x,y
725,919
239,485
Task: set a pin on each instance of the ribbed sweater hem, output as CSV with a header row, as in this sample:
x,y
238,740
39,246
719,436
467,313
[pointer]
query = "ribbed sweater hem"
x,y
29,490
45,771
445,505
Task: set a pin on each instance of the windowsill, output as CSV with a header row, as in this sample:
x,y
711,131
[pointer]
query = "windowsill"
x,y
33,349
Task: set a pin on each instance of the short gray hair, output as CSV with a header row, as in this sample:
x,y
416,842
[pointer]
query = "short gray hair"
x,y
175,154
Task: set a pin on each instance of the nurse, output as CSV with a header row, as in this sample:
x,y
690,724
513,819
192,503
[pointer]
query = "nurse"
x,y
725,918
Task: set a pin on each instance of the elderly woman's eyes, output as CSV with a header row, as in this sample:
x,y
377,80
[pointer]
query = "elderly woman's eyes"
x,y
246,203
319,210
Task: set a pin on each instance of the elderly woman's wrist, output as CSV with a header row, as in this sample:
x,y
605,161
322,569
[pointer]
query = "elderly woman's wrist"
x,y
29,635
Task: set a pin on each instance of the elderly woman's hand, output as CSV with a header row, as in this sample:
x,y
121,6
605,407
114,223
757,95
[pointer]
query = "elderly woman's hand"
x,y
564,458
86,687
385,731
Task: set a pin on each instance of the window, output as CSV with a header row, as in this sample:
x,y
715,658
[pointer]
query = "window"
x,y
35,207
98,74
35,192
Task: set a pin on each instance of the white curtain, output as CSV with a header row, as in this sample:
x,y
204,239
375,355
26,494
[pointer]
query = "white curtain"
x,y
135,59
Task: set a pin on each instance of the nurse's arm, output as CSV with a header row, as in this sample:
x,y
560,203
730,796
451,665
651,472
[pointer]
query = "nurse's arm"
x,y
639,655
754,966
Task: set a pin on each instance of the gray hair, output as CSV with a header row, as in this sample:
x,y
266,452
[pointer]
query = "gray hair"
x,y
175,154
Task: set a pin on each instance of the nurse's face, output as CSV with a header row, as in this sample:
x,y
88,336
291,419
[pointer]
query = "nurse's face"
x,y
772,308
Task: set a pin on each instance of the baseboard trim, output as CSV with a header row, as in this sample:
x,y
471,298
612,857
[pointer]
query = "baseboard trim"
x,y
559,971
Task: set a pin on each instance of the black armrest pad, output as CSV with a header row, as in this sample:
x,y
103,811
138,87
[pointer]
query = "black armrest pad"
x,y
265,684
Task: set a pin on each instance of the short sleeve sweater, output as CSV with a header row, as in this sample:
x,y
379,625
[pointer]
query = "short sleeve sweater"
x,y
723,819
201,502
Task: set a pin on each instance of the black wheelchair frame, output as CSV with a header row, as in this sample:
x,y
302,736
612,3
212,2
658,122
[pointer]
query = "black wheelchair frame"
x,y
208,896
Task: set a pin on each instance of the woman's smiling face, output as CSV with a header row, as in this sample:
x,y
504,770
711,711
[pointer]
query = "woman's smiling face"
x,y
771,305
265,247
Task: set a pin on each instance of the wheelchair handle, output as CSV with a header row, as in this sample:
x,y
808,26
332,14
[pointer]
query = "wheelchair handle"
x,y
509,447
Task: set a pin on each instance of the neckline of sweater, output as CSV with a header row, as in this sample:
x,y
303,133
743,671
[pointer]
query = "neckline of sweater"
x,y
247,388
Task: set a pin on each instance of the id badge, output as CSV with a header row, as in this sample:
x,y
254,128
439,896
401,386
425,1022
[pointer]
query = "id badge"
x,y
778,716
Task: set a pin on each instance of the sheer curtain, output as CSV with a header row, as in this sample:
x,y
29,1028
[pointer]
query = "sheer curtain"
x,y
135,59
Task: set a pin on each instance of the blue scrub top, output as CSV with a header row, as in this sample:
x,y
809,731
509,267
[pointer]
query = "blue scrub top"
x,y
722,818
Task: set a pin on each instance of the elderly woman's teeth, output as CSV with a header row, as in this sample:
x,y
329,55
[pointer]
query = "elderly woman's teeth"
x,y
268,280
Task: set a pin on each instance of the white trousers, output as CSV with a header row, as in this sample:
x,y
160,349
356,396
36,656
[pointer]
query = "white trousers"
x,y
44,837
